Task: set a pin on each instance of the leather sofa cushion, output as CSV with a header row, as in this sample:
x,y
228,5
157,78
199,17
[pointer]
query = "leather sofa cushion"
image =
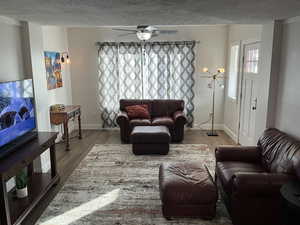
x,y
186,183
161,108
226,170
280,152
163,121
138,111
150,134
139,122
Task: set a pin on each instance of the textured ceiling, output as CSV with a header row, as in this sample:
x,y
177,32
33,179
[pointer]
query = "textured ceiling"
x,y
156,12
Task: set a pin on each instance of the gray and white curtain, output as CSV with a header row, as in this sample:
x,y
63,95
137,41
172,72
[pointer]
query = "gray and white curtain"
x,y
151,70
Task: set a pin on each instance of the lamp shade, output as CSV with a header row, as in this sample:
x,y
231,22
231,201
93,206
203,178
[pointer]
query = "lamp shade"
x,y
221,70
205,69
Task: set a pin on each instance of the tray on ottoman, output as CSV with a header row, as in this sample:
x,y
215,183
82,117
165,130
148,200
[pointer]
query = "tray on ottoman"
x,y
187,190
150,140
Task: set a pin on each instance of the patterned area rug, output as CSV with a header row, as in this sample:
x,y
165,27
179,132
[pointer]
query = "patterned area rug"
x,y
113,186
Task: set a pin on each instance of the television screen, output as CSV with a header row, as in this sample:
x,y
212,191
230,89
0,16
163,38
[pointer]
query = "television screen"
x,y
17,115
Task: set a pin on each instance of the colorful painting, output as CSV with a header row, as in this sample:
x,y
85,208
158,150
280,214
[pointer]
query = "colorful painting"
x,y
53,70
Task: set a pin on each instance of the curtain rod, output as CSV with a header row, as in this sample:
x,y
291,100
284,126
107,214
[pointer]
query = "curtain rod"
x,y
128,42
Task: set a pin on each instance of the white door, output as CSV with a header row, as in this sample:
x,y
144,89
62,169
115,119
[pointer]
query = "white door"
x,y
249,93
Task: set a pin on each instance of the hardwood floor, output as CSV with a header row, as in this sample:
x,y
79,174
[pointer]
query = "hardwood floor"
x,y
68,161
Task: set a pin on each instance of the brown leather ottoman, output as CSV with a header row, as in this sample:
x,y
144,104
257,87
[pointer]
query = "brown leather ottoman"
x,y
150,140
187,190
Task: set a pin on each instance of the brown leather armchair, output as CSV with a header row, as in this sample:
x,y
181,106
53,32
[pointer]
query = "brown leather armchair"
x,y
167,113
250,178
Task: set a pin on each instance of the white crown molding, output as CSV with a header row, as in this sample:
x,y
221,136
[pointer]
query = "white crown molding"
x,y
10,21
292,20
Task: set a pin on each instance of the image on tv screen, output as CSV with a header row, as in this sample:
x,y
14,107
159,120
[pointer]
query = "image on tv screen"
x,y
17,115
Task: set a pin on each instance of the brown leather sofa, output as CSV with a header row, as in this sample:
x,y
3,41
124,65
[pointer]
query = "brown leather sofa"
x,y
167,113
250,178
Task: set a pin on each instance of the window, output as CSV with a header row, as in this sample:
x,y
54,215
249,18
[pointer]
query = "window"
x,y
251,61
233,71
151,70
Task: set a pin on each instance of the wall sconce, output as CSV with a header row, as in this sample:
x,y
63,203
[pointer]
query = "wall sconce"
x,y
65,58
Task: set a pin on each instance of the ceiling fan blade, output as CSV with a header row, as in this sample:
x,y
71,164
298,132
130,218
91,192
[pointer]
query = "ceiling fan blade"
x,y
151,28
121,29
126,34
167,31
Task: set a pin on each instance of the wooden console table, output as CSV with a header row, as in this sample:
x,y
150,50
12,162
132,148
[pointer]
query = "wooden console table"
x,y
13,210
63,117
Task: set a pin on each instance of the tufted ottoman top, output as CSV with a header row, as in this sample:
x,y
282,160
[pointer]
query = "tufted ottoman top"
x,y
150,135
186,183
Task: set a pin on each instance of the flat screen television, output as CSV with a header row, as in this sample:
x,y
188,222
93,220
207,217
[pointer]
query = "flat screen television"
x,y
17,114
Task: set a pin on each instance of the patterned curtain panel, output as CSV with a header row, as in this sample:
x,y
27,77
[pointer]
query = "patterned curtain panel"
x,y
151,70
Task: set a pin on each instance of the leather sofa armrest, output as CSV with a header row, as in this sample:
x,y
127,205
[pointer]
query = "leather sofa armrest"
x,y
263,184
179,117
237,153
122,117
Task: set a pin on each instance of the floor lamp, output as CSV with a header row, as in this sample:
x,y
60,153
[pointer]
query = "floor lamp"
x,y
215,77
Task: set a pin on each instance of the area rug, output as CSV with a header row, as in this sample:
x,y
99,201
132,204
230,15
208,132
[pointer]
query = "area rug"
x,y
113,186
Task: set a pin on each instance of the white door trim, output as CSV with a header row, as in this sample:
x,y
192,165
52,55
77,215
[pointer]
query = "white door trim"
x,y
240,82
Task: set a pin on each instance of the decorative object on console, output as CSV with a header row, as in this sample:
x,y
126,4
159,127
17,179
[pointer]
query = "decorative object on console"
x,y
53,70
57,107
215,79
21,184
63,117
65,58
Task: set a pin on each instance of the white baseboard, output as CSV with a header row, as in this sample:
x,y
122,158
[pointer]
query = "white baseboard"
x,y
230,133
220,126
91,126
96,127
208,127
99,127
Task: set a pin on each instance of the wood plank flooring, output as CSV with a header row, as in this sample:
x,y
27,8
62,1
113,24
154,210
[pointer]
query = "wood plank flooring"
x,y
68,161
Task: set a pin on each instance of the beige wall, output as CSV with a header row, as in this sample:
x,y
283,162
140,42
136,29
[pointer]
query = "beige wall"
x,y
210,52
236,34
38,40
55,40
268,76
11,53
288,91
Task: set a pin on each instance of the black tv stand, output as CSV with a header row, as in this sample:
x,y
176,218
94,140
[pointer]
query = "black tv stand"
x,y
13,210
14,145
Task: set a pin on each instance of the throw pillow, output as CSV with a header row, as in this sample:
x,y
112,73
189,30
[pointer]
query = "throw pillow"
x,y
138,111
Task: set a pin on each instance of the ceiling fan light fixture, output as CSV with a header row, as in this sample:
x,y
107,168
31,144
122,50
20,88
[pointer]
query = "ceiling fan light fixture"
x,y
143,35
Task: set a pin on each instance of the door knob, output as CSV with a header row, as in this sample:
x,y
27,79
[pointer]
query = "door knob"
x,y
255,104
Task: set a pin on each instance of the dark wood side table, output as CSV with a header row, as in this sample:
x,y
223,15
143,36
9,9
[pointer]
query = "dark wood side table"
x,y
13,210
63,117
290,194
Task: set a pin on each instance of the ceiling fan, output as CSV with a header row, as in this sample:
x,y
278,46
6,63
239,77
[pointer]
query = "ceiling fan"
x,y
145,32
